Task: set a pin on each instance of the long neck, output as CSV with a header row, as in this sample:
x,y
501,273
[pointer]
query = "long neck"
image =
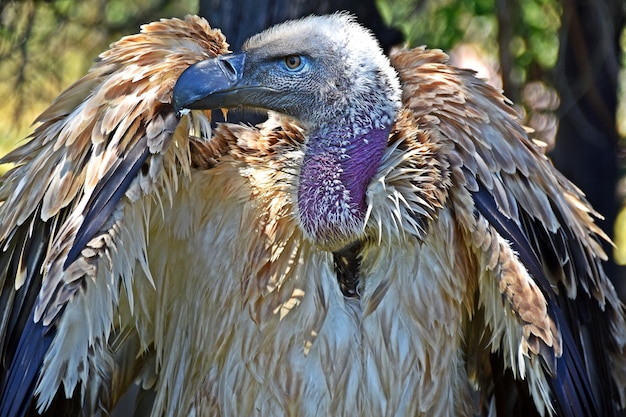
x,y
337,168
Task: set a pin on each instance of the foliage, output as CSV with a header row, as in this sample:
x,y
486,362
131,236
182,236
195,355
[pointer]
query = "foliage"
x,y
443,23
446,23
46,45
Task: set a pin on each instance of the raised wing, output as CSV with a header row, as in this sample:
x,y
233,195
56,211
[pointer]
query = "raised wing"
x,y
552,321
74,212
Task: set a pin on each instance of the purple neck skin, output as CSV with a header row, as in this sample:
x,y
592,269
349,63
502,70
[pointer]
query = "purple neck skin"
x,y
333,181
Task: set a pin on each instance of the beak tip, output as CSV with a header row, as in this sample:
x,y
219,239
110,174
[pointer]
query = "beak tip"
x,y
186,90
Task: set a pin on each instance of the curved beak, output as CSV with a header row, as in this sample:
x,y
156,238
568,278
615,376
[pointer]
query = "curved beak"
x,y
210,84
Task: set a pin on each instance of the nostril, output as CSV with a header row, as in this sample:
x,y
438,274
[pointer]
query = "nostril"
x,y
232,65
229,68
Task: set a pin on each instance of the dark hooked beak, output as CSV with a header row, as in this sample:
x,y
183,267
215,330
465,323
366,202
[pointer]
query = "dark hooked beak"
x,y
210,84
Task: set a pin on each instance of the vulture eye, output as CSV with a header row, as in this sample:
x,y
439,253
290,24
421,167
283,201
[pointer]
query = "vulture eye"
x,y
293,62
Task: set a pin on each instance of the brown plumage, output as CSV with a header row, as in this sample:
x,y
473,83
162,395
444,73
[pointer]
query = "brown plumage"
x,y
456,272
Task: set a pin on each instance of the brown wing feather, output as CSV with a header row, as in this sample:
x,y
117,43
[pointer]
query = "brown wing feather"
x,y
542,216
101,146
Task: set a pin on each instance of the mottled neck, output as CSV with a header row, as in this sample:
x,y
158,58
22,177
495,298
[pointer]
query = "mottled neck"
x,y
337,168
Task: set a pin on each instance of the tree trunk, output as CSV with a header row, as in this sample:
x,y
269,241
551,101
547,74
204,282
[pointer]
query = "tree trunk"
x,y
586,79
241,19
508,15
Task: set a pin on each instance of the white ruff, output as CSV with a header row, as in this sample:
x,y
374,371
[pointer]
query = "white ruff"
x,y
272,335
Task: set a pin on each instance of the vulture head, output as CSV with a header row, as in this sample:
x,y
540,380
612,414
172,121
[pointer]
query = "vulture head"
x,y
330,75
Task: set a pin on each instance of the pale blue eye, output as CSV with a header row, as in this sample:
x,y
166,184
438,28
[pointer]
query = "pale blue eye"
x,y
294,62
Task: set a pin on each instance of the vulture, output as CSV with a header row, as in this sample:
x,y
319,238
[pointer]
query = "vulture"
x,y
391,241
